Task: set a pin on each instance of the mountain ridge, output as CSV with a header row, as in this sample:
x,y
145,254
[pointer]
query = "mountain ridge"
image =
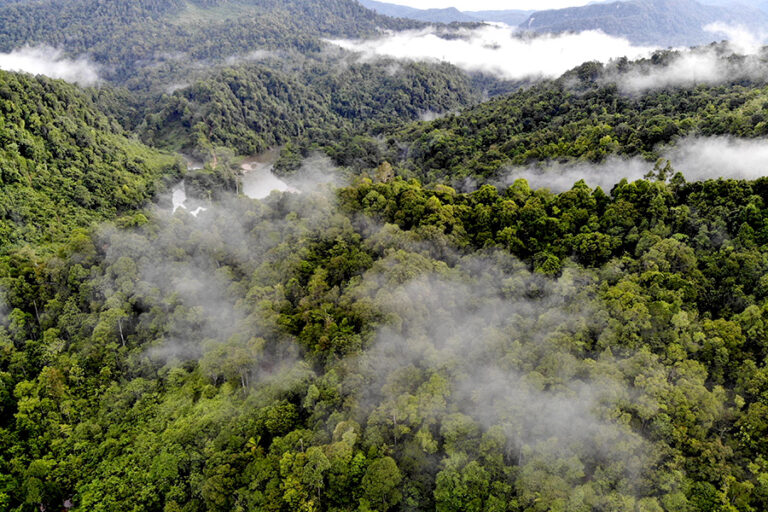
x,y
647,22
446,15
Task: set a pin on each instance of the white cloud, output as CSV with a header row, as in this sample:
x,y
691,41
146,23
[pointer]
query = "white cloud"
x,y
44,60
685,70
503,51
741,39
739,59
254,56
697,158
499,49
715,157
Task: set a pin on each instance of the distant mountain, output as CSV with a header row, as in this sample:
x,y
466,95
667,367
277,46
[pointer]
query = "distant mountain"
x,y
510,17
652,22
448,15
757,4
394,10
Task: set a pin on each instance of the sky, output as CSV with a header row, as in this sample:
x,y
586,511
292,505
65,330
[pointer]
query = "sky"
x,y
490,5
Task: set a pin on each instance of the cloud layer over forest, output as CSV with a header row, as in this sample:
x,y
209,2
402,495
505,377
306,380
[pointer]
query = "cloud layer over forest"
x,y
697,158
498,49
501,50
44,60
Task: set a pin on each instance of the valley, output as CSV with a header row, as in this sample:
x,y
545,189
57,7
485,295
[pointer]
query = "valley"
x,y
261,255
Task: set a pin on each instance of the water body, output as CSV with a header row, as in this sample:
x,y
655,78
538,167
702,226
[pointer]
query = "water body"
x,y
258,179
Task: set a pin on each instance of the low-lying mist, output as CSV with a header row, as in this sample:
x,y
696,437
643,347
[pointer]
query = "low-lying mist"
x,y
191,277
44,60
486,345
697,158
499,49
741,58
503,51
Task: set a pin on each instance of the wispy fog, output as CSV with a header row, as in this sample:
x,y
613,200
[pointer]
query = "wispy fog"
x,y
254,56
741,39
316,173
561,177
715,157
44,60
739,59
698,158
499,49
473,333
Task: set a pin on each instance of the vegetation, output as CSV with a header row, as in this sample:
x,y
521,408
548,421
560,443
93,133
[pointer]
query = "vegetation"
x,y
127,35
581,116
64,164
389,344
238,107
286,355
245,74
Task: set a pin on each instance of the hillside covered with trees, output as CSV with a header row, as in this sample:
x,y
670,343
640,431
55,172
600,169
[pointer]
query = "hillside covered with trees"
x,y
373,338
582,116
64,164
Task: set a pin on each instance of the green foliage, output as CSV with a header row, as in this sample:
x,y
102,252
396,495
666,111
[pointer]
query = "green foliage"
x,y
252,108
128,391
561,120
392,346
124,34
64,164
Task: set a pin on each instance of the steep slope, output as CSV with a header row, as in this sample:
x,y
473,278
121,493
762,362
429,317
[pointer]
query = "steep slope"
x,y
581,116
179,59
63,164
648,22
251,108
126,36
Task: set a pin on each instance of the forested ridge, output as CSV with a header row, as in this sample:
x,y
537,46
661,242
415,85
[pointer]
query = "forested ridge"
x,y
176,72
582,116
64,164
237,107
124,34
374,338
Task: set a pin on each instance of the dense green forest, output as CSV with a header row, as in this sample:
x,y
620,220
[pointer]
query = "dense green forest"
x,y
64,164
379,341
580,116
237,107
124,34
177,71
500,350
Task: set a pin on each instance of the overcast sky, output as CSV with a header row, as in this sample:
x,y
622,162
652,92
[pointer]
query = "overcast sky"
x,y
483,5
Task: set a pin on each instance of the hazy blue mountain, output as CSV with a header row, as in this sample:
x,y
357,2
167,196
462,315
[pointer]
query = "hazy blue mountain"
x,y
448,15
656,22
757,4
510,17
